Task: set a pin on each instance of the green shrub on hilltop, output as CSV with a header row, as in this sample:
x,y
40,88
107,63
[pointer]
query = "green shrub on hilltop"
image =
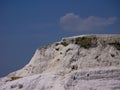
x,y
64,42
86,42
116,45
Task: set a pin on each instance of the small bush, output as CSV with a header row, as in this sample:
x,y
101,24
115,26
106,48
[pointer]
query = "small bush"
x,y
14,78
86,42
57,44
116,45
72,40
64,43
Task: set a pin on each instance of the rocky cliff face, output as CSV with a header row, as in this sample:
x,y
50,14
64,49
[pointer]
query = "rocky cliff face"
x,y
85,62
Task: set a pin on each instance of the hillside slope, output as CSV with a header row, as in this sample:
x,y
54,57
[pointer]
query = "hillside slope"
x,y
85,62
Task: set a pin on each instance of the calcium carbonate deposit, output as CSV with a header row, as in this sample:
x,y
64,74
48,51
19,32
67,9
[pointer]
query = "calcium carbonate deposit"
x,y
85,62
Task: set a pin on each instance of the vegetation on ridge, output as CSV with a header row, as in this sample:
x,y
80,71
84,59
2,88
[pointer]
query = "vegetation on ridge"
x,y
64,43
116,45
86,42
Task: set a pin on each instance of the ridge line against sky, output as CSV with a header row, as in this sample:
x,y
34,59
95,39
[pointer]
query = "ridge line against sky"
x,y
26,25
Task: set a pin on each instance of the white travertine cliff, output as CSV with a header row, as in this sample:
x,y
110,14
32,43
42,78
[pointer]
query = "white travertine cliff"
x,y
85,62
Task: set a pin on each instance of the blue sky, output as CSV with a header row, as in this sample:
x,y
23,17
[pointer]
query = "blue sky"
x,y
26,25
